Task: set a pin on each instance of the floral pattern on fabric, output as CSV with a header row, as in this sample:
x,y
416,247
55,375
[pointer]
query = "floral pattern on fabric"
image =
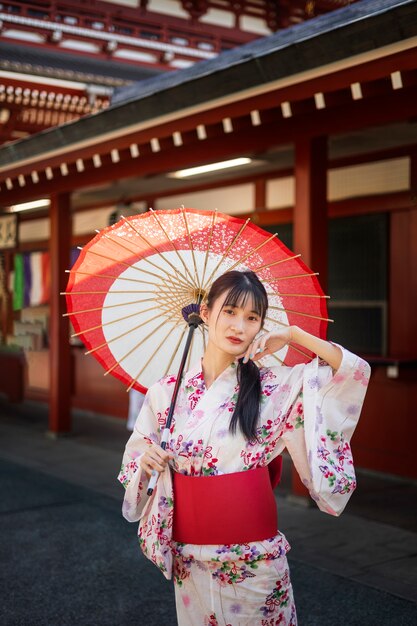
x,y
227,594
307,409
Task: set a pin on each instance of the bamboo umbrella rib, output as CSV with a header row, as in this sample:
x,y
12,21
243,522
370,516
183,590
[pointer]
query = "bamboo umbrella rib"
x,y
109,306
264,267
113,367
204,337
174,296
191,246
187,367
118,262
158,221
119,319
236,237
248,254
172,315
127,332
143,258
90,293
316,317
139,343
176,301
274,280
273,321
151,245
170,284
168,290
152,356
213,221
175,289
297,295
174,354
148,243
133,280
175,308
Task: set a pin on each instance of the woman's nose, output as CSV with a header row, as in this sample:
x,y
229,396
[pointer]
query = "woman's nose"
x,y
237,325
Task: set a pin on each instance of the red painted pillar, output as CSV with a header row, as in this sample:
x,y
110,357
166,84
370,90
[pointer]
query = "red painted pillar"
x,y
6,300
260,194
310,212
310,221
59,346
403,275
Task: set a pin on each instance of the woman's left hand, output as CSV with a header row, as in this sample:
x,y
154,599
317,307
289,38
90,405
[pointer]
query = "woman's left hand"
x,y
268,343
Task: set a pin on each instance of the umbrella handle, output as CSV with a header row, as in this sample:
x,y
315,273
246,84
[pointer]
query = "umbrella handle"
x,y
155,474
194,320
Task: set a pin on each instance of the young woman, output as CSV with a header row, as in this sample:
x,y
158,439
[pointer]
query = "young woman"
x,y
211,522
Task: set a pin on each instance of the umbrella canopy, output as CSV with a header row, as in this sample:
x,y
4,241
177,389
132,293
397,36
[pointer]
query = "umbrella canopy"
x,y
128,289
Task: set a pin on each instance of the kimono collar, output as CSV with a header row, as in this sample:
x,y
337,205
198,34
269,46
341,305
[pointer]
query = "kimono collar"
x,y
196,371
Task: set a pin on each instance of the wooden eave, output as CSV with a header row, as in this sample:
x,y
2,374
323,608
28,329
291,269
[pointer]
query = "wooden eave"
x,y
364,44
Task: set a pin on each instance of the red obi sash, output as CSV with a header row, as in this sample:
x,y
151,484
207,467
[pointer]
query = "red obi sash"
x,y
224,509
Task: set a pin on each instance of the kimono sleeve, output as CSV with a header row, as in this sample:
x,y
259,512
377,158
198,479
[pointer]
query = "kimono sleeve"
x,y
146,433
319,428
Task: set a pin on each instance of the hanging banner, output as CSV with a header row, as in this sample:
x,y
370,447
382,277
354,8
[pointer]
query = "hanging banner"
x,y
8,231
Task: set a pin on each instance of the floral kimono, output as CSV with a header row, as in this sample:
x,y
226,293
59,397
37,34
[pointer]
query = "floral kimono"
x,y
308,409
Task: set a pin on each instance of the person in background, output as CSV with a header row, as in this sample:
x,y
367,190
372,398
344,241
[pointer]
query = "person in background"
x,y
136,399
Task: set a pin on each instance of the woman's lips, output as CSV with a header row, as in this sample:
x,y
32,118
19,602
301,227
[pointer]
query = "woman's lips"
x,y
235,340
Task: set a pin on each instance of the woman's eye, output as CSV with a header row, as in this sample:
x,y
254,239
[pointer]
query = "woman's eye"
x,y
229,311
254,319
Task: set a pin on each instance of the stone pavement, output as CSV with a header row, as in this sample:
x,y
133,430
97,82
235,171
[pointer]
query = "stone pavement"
x,y
70,558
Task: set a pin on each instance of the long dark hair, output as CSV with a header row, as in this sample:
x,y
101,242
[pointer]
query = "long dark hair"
x,y
239,287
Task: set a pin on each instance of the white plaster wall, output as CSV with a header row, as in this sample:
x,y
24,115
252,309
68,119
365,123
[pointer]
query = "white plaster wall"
x,y
372,178
168,7
368,179
218,18
86,222
181,63
135,55
255,25
280,193
127,3
82,46
231,200
14,33
34,230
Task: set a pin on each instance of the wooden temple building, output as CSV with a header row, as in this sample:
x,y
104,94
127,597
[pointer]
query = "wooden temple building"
x,y
319,97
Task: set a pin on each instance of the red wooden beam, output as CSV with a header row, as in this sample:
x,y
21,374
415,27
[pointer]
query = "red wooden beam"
x,y
399,105
59,351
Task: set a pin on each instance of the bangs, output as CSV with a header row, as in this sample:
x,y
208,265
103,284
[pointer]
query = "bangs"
x,y
239,295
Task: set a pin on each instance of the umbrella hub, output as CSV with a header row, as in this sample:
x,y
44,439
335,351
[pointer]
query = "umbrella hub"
x,y
191,314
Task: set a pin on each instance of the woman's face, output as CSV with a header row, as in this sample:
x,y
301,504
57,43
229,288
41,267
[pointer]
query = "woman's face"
x,y
232,329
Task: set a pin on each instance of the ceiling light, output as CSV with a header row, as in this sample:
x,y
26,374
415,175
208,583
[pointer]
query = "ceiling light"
x,y
211,167
27,206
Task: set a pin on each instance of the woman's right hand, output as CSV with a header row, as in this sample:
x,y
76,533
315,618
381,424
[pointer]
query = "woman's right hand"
x,y
155,458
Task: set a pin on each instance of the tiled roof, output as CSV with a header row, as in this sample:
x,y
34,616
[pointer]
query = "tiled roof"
x,y
332,48
67,66
359,28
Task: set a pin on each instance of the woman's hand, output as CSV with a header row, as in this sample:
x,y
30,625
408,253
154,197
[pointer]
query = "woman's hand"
x,y
156,458
268,343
